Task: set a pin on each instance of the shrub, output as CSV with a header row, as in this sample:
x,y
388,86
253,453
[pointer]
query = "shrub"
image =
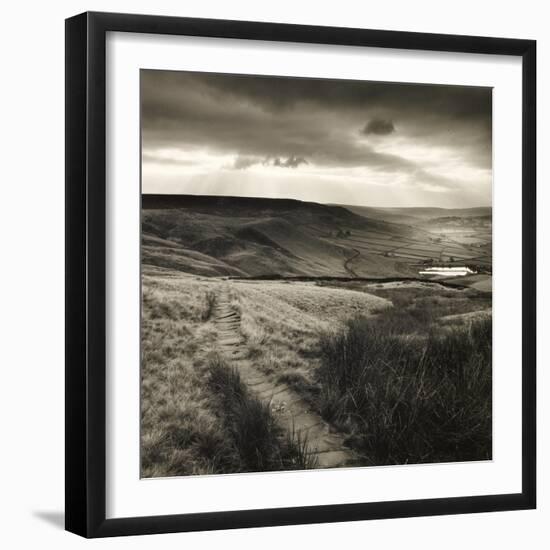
x,y
409,398
208,306
256,436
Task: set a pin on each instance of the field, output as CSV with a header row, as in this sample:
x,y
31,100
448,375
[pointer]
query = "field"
x,y
450,237
280,335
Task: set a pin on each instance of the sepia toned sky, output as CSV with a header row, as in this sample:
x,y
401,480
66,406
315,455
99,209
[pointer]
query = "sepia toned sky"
x,y
328,141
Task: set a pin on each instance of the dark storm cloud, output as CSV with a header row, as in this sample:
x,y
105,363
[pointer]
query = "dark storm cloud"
x,y
318,122
290,162
242,162
379,126
279,94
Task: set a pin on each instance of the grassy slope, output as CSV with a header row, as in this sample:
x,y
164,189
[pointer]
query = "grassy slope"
x,y
281,322
171,255
180,431
197,417
188,427
410,384
288,327
258,237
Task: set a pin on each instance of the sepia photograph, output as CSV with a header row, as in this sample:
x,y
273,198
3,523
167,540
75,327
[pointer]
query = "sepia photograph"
x,y
316,273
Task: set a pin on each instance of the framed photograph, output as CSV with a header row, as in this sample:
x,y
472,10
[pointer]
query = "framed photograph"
x,y
300,274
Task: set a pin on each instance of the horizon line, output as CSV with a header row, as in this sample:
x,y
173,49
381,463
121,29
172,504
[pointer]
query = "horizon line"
x,y
316,202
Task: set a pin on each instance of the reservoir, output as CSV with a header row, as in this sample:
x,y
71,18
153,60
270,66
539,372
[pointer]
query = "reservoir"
x,y
447,271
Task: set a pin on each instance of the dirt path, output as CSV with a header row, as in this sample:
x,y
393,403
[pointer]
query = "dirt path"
x,y
290,410
347,263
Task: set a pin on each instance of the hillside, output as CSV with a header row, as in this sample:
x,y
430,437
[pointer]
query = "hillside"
x,y
216,236
417,215
250,237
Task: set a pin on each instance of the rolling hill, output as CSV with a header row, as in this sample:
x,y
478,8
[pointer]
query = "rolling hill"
x,y
216,236
417,215
253,237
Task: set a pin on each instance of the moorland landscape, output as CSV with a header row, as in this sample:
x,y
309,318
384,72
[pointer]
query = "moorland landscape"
x,y
280,334
316,273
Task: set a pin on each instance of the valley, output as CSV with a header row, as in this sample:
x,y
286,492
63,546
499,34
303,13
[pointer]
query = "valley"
x,y
248,237
282,335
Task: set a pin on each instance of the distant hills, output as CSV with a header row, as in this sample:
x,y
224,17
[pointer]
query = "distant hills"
x,y
417,215
253,237
238,236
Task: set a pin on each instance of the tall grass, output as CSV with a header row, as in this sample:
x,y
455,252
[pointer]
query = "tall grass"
x,y
208,305
415,309
181,433
257,438
409,398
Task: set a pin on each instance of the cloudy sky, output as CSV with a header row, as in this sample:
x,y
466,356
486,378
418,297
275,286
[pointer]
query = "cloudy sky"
x,y
329,141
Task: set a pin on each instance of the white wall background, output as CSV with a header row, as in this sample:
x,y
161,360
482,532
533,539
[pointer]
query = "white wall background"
x,y
32,271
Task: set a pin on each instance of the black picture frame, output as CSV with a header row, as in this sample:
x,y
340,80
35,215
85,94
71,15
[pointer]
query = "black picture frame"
x,y
86,263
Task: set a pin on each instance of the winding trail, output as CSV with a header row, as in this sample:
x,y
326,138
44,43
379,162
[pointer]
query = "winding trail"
x,y
347,263
291,411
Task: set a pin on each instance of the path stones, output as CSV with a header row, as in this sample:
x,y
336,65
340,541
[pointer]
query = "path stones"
x,y
292,413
